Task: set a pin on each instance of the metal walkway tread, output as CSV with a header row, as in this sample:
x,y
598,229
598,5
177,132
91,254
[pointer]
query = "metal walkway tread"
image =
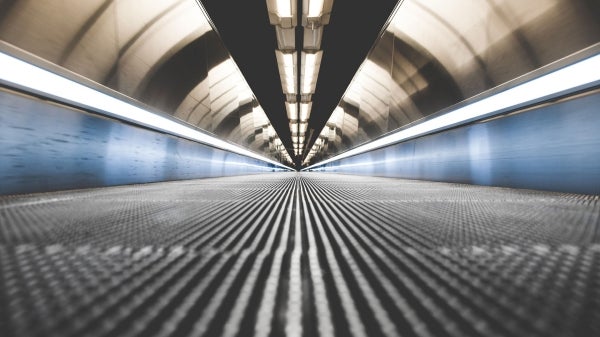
x,y
300,254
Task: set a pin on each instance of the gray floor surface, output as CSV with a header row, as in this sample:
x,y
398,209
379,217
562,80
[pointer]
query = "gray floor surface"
x,y
300,254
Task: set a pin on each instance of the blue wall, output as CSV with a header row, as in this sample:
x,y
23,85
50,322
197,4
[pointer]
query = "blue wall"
x,y
46,146
555,146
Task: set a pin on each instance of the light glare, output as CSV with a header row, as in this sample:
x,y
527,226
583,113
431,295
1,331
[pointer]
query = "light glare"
x,y
315,8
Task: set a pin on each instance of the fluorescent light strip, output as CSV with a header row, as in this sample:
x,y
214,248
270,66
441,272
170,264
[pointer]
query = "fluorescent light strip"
x,y
305,111
292,110
315,8
286,62
302,127
24,74
575,75
311,62
284,8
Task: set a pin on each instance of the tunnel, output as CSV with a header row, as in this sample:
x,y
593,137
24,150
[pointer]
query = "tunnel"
x,y
299,168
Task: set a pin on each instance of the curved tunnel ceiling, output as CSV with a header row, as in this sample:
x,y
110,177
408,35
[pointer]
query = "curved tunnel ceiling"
x,y
435,54
165,54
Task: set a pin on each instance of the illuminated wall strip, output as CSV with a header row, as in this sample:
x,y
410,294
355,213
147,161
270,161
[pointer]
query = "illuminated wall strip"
x,y
21,73
575,75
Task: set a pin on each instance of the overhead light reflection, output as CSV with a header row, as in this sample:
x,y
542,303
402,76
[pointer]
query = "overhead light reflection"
x,y
315,14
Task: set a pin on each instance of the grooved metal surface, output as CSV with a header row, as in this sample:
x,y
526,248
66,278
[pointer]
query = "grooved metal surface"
x,y
300,255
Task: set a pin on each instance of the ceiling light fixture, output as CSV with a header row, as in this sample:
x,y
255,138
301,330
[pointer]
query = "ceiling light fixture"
x,y
286,62
312,38
316,12
302,127
282,13
292,110
311,62
305,108
286,38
